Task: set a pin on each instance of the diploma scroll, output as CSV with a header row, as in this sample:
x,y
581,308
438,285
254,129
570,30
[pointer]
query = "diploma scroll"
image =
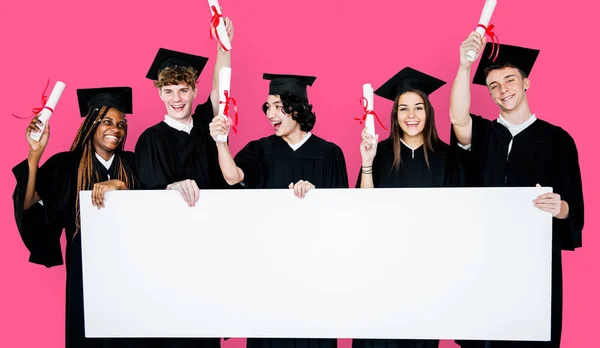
x,y
369,121
224,86
220,29
484,21
46,112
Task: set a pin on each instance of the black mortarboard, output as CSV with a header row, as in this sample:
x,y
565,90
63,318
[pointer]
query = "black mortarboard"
x,y
167,58
521,57
408,79
115,97
295,84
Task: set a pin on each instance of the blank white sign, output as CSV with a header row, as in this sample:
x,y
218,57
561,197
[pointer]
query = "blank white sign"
x,y
448,263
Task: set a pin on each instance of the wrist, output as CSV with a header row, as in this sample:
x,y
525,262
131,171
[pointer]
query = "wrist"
x,y
564,210
465,69
221,145
33,158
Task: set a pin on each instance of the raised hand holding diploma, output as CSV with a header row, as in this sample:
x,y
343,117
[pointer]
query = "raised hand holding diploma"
x,y
218,24
484,25
43,114
369,114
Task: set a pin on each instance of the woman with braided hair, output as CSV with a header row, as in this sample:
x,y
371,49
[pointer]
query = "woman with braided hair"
x,y
46,200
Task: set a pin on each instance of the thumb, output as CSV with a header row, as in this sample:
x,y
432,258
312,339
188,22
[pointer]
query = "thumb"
x,y
291,185
538,185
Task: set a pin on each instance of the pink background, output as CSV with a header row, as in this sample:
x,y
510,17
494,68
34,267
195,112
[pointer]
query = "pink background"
x,y
345,44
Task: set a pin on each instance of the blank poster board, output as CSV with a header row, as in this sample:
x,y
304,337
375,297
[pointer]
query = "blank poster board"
x,y
448,263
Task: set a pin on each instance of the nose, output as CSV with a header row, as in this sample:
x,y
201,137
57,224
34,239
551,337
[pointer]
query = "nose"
x,y
176,96
271,112
116,130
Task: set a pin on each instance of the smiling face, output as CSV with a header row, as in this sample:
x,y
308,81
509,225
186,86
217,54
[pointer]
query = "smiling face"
x,y
411,114
507,87
283,124
110,132
178,101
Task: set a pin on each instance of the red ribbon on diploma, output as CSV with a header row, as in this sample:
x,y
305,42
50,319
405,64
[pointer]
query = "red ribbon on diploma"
x,y
495,40
38,110
215,20
365,104
233,122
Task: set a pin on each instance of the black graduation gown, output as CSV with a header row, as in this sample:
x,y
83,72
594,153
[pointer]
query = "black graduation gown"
x,y
271,163
41,226
165,155
541,154
413,171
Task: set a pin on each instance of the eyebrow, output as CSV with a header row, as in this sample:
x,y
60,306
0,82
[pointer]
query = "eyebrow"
x,y
504,78
113,120
419,103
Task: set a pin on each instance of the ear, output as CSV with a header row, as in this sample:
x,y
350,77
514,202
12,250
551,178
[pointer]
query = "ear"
x,y
195,91
526,84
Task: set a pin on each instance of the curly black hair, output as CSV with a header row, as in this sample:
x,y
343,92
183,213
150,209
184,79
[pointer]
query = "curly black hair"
x,y
300,110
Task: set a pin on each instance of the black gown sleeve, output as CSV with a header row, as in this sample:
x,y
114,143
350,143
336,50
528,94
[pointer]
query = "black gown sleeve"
x,y
128,160
150,164
336,175
203,114
249,161
567,179
465,165
39,231
457,159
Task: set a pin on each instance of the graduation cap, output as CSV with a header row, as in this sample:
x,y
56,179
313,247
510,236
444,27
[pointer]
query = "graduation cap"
x,y
168,58
295,84
408,79
115,97
521,57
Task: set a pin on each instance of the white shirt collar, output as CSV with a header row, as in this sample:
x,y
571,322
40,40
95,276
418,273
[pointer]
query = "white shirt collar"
x,y
300,143
178,125
516,129
106,164
405,144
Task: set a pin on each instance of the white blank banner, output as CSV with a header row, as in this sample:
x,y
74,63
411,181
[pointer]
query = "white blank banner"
x,y
448,263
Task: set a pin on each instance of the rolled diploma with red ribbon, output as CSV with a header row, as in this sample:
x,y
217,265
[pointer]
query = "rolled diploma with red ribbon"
x,y
221,30
369,121
224,85
46,112
486,16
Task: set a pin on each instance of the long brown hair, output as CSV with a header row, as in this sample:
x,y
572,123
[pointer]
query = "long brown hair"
x,y
87,175
431,140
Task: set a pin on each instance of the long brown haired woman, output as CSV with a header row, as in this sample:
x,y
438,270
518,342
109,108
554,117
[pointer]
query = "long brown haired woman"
x,y
413,155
